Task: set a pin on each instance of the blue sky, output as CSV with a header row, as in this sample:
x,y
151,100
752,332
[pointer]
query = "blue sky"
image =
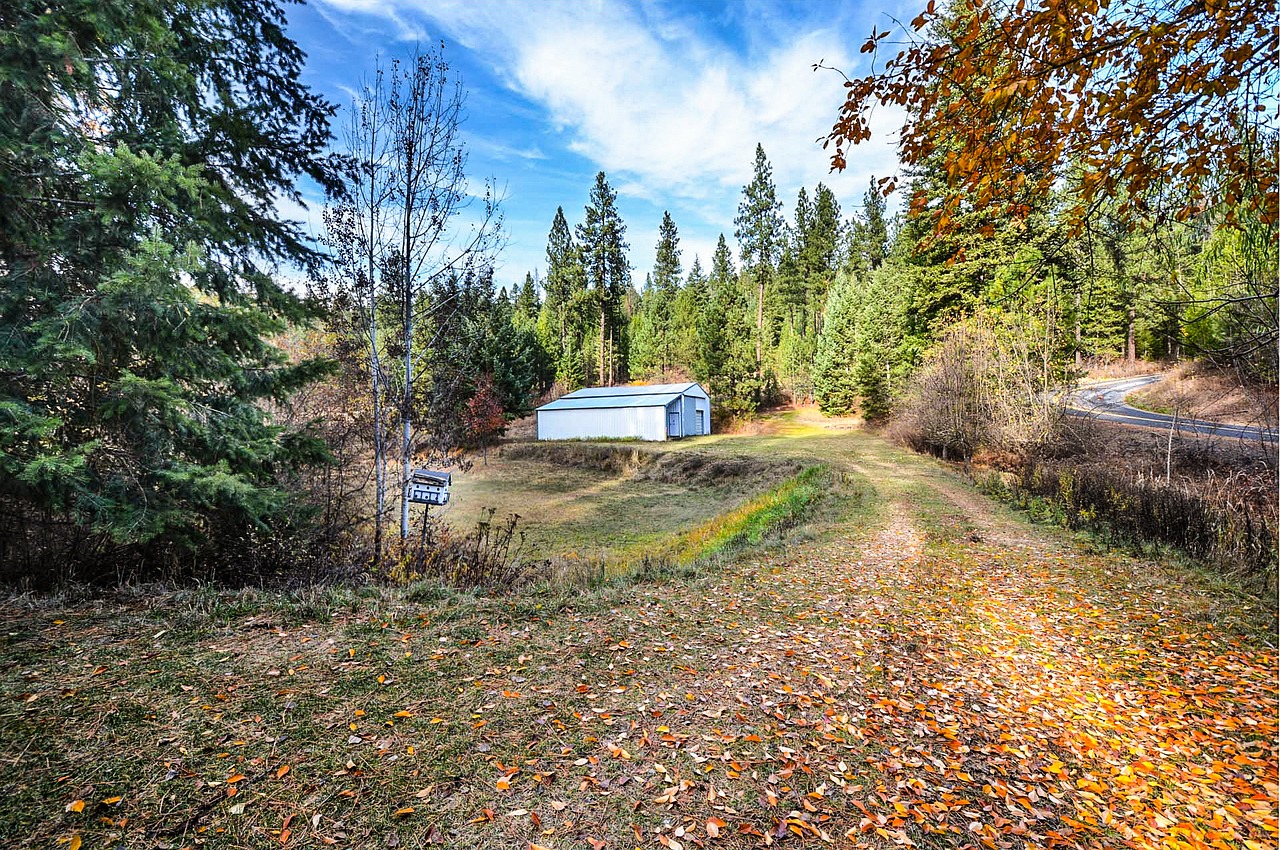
x,y
667,98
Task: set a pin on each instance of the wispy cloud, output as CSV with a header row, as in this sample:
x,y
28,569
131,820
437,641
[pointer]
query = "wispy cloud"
x,y
505,152
646,94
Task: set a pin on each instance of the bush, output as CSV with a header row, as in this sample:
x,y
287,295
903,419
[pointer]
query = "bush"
x,y
1209,521
488,558
982,387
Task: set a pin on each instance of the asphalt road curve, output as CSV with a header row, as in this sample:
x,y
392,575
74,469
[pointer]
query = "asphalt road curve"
x,y
1105,400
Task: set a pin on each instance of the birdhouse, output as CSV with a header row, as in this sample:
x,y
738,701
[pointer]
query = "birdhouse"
x,y
428,487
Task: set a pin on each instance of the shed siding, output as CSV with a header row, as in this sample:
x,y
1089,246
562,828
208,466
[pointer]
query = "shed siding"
x,y
645,423
690,404
705,406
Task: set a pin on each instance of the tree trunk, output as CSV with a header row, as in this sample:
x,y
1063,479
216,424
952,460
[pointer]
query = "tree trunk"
x,y
379,438
1131,346
406,449
603,354
1079,335
759,325
375,363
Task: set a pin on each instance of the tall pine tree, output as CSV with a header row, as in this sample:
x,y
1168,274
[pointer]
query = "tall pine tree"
x,y
760,237
608,273
726,361
666,285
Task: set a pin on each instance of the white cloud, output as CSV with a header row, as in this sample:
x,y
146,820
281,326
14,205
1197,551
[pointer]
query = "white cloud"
x,y
642,95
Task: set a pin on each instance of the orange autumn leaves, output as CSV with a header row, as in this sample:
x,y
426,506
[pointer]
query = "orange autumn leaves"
x,y
1162,108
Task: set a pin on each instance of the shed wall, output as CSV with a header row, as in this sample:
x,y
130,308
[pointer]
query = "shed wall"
x,y
692,405
645,423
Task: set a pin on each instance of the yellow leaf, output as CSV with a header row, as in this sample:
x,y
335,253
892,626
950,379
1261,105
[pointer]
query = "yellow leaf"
x,y
75,843
75,806
402,812
281,771
111,801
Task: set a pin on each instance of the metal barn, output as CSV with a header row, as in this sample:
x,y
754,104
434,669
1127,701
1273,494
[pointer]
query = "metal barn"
x,y
654,412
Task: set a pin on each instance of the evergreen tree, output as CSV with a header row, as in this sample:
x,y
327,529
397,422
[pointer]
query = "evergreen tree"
x,y
666,285
643,354
834,383
793,267
822,250
527,304
882,358
870,232
690,304
560,276
608,274
725,359
760,239
145,146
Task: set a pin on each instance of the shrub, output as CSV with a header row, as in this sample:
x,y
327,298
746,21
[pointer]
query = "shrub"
x,y
1209,521
982,387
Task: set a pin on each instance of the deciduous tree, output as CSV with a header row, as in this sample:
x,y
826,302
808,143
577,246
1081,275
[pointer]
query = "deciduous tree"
x,y
1164,106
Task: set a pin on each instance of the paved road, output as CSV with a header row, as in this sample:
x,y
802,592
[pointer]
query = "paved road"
x,y
1105,400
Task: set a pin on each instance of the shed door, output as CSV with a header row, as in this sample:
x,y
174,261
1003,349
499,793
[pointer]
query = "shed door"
x,y
698,419
673,423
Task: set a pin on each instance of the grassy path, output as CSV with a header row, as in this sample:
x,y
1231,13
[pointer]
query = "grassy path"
x,y
921,670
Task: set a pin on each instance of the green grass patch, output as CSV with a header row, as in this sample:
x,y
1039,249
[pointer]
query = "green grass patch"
x,y
768,514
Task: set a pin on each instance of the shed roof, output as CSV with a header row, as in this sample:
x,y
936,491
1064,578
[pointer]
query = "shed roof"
x,y
652,395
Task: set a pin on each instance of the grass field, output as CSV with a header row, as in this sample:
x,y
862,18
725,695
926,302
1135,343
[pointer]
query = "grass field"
x,y
579,508
912,667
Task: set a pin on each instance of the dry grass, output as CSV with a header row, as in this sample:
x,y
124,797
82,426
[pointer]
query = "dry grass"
x,y
1199,392
589,500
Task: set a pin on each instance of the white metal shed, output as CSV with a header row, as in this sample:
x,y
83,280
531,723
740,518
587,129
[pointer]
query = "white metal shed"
x,y
653,412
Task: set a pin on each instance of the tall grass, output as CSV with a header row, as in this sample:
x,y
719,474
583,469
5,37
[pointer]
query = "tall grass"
x,y
1209,523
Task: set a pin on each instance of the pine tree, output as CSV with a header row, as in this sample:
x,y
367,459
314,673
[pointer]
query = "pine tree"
x,y
759,233
690,304
870,231
527,304
643,354
604,260
666,285
145,146
834,384
726,360
822,250
560,277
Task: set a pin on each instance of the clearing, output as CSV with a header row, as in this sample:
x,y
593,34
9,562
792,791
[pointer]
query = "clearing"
x,y
916,667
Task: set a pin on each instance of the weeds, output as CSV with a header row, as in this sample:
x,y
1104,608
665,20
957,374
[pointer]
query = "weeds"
x,y
1206,522
489,557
